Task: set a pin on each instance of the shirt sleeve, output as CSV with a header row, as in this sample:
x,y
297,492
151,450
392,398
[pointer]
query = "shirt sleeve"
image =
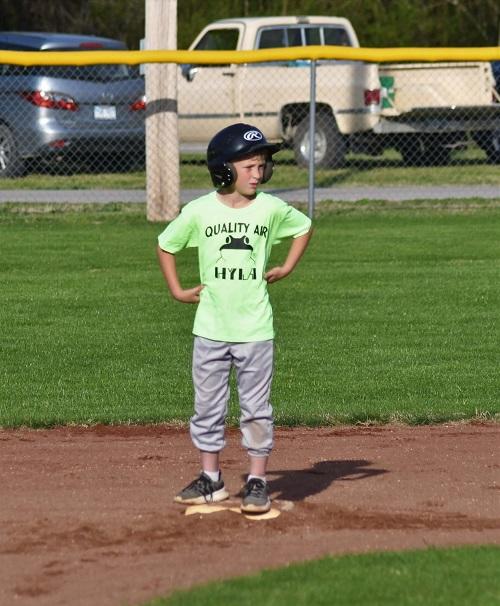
x,y
291,224
180,233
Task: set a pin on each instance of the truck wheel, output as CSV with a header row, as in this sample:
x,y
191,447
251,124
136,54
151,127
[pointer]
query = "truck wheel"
x,y
490,143
418,150
329,144
11,165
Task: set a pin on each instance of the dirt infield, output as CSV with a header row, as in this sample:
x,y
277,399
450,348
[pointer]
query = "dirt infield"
x,y
87,518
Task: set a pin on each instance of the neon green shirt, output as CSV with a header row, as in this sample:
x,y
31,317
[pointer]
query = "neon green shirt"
x,y
233,249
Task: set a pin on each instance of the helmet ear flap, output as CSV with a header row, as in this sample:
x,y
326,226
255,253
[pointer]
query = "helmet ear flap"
x,y
223,175
268,170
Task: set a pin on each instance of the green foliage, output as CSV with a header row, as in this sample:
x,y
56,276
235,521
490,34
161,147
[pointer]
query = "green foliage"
x,y
378,23
122,19
437,577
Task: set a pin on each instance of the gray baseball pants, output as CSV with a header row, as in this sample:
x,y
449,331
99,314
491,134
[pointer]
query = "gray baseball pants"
x,y
212,363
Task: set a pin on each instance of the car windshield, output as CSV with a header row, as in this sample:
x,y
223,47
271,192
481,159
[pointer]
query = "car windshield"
x,y
92,73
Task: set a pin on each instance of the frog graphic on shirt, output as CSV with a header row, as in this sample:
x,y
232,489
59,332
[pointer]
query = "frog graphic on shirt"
x,y
236,261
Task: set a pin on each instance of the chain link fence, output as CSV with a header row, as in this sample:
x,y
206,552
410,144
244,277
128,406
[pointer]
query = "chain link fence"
x,y
81,129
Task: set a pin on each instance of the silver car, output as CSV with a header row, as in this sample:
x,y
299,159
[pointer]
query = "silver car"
x,y
93,113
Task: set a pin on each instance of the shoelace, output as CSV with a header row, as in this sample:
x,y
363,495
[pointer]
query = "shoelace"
x,y
203,487
256,487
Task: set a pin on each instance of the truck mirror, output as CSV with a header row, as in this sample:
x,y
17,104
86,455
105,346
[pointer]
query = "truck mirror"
x,y
189,71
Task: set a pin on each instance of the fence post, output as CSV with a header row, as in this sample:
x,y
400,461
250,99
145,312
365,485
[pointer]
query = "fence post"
x,y
312,136
162,140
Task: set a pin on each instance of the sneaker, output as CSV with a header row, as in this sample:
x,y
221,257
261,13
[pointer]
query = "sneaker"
x,y
202,490
255,497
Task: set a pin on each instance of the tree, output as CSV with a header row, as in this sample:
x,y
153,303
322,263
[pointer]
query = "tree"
x,y
122,19
378,22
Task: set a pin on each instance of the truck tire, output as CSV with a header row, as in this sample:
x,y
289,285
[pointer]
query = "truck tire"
x,y
489,142
419,150
330,145
11,164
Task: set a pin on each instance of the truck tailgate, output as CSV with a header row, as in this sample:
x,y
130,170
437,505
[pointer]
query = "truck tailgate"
x,y
426,85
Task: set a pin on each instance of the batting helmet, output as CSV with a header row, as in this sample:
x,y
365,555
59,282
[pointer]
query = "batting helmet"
x,y
232,143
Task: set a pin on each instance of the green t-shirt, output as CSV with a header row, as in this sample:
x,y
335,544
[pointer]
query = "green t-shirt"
x,y
233,248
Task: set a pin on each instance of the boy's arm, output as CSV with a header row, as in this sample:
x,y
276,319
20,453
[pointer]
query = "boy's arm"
x,y
296,251
169,270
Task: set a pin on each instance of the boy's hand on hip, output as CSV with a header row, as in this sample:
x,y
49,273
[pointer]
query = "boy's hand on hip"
x,y
189,295
296,250
276,273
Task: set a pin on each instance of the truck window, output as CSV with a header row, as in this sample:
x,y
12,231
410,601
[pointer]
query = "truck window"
x,y
336,36
279,37
219,39
272,38
294,36
313,36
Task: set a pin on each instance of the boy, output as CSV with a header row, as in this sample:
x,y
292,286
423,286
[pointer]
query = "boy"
x,y
234,229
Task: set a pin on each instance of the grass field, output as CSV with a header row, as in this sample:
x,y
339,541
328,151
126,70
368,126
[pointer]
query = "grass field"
x,y
392,315
434,577
467,168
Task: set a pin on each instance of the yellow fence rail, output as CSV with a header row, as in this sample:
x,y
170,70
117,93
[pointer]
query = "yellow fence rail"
x,y
317,53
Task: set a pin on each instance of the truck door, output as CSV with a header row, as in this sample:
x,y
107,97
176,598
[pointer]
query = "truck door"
x,y
206,93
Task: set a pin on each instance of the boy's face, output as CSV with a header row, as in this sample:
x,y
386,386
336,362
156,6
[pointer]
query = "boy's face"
x,y
249,174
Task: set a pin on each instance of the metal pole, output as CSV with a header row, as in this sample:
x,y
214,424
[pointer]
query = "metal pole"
x,y
312,133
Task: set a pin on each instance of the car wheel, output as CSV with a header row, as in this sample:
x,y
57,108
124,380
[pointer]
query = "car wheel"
x,y
329,144
11,165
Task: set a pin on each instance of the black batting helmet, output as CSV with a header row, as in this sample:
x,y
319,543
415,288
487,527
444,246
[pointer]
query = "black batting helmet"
x,y
232,143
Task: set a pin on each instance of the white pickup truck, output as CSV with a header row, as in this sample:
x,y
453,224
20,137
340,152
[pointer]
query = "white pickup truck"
x,y
275,96
428,109
424,109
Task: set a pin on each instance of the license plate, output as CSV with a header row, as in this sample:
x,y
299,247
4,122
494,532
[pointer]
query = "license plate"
x,y
105,112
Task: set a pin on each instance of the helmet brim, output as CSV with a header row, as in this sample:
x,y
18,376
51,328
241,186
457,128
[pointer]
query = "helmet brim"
x,y
270,148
